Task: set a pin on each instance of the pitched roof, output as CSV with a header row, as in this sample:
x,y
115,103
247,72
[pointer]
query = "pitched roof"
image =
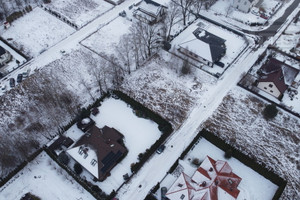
x,y
150,7
281,74
102,145
213,180
205,44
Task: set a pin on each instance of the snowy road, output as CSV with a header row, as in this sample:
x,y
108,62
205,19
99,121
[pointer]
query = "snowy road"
x,y
155,169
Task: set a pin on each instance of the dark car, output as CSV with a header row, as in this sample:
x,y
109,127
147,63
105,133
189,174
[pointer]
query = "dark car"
x,y
12,82
163,193
19,78
160,149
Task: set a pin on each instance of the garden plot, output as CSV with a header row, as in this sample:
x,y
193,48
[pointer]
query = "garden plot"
x,y
43,178
249,187
105,41
79,12
239,121
289,41
161,86
234,43
36,31
139,135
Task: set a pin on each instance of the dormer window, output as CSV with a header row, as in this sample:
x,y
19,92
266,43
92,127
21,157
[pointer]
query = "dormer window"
x,y
85,156
93,162
230,181
182,196
80,151
180,185
210,169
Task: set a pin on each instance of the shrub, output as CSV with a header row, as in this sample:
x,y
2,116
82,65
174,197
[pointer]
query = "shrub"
x,y
270,111
77,168
196,162
63,158
186,68
228,153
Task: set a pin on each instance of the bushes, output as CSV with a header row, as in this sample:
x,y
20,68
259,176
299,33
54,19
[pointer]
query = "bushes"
x,y
77,168
228,153
270,111
63,158
186,68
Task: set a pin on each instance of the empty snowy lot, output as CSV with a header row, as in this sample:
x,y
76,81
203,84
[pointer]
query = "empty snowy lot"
x,y
79,12
139,135
36,31
239,121
45,179
105,41
160,86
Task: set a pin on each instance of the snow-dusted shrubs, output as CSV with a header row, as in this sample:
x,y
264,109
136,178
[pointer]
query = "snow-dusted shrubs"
x,y
270,111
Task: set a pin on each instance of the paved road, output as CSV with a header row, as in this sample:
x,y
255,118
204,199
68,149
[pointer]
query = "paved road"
x,y
155,169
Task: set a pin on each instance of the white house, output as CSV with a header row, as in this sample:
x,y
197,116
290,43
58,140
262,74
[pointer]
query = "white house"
x,y
244,5
203,46
150,11
5,56
276,77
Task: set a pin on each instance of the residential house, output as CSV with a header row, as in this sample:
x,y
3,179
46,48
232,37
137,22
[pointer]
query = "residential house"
x,y
5,56
149,11
213,180
115,2
203,46
99,150
244,5
276,77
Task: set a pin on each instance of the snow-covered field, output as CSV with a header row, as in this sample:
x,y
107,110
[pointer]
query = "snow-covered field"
x,y
36,31
105,40
139,135
249,187
234,44
239,121
160,86
79,12
43,178
289,41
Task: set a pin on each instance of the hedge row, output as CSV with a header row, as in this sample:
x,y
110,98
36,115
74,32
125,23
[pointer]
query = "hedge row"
x,y
79,180
20,167
17,14
250,162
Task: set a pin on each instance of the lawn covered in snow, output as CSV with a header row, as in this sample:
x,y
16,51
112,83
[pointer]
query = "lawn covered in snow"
x,y
36,31
79,12
161,86
139,135
105,40
43,178
239,121
252,186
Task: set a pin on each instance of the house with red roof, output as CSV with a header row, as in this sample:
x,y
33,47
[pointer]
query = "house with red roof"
x,y
213,180
276,77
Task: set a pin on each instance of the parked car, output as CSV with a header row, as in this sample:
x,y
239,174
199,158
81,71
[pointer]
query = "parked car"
x,y
19,78
160,149
3,87
163,193
12,82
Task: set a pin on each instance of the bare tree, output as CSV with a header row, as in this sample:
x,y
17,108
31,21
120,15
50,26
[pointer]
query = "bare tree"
x,y
149,37
117,72
172,14
185,6
99,74
198,4
125,51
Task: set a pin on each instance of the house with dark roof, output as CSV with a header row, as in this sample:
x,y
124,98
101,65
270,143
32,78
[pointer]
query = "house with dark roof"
x,y
275,77
149,11
99,150
244,5
5,56
213,180
203,46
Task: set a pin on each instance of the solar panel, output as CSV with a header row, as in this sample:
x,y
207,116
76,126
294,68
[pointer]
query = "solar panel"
x,y
109,160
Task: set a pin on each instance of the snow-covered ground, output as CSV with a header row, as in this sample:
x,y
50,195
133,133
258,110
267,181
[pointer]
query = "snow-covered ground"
x,y
275,143
161,86
79,12
249,187
289,41
43,178
36,31
105,40
234,44
139,135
